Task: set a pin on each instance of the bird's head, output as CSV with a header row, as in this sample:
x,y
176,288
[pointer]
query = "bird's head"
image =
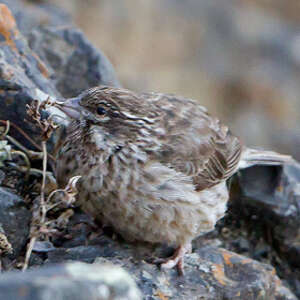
x,y
117,111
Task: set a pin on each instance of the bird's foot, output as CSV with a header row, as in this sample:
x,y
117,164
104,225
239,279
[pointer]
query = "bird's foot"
x,y
176,260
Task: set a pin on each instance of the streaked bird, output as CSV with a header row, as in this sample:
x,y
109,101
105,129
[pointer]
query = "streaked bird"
x,y
154,166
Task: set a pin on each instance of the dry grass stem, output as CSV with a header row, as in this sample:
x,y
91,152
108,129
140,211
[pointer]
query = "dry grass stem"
x,y
33,155
47,127
5,246
41,227
70,191
30,246
39,223
27,161
42,209
21,132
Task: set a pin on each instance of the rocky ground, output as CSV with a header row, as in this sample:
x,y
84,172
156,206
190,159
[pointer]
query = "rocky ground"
x,y
252,254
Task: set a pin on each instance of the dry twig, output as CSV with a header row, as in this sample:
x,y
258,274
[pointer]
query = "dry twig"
x,y
47,127
8,124
5,246
30,154
39,225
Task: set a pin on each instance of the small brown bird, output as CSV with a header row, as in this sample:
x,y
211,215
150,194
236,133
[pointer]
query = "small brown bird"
x,y
153,166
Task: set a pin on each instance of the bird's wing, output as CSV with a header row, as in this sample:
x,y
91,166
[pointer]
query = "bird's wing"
x,y
193,142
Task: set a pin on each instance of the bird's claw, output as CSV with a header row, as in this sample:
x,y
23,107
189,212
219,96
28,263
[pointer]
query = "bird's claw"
x,y
176,260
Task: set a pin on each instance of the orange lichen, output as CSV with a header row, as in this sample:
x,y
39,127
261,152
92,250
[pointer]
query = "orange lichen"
x,y
278,282
227,257
218,272
10,32
8,27
160,295
9,100
43,69
246,261
279,188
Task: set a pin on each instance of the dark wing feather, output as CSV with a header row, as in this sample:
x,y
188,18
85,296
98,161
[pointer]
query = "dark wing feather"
x,y
194,142
221,163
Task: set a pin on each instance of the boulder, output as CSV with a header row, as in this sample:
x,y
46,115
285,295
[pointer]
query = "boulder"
x,y
210,272
14,220
268,200
24,76
76,281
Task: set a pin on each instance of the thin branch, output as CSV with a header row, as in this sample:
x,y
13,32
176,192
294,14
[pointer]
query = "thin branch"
x,y
43,205
28,252
39,222
34,171
23,133
28,165
30,153
6,129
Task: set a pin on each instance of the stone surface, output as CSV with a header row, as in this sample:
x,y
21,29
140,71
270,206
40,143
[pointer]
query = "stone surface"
x,y
76,281
210,272
272,195
74,63
268,200
24,76
14,220
30,15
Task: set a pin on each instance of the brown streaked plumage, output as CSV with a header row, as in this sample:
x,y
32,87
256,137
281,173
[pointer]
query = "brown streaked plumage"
x,y
153,166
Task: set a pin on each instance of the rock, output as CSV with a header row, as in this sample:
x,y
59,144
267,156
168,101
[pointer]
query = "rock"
x,y
32,15
71,64
76,281
272,195
2,176
74,63
14,219
268,198
210,272
23,74
85,254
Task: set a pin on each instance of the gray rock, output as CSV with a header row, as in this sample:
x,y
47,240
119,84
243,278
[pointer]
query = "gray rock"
x,y
71,65
210,272
76,281
2,176
14,219
74,63
272,194
268,198
22,75
31,15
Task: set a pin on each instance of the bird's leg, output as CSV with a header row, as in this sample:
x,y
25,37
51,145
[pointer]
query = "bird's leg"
x,y
177,259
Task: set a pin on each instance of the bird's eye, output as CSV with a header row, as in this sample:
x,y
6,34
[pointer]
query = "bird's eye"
x,y
101,111
115,114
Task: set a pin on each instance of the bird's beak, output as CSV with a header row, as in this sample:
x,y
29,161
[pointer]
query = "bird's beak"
x,y
70,107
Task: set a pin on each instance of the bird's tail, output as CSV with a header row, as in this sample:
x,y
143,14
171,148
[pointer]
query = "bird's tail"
x,y
251,157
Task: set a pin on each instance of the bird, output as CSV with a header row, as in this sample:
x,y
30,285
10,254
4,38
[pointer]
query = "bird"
x,y
153,166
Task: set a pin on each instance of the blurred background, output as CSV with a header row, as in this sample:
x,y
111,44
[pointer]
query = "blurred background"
x,y
241,59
